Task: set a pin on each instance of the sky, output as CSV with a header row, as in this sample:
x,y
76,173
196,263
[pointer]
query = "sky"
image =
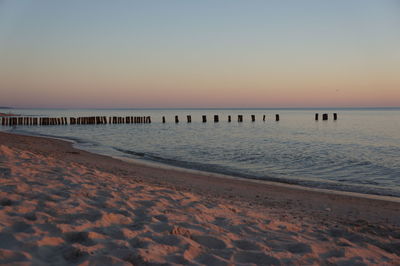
x,y
224,53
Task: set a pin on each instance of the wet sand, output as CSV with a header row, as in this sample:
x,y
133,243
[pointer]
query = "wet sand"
x,y
60,205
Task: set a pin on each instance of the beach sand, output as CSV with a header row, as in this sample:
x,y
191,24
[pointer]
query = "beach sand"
x,y
62,206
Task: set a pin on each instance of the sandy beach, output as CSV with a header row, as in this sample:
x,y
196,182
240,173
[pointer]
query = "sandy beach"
x,y
62,206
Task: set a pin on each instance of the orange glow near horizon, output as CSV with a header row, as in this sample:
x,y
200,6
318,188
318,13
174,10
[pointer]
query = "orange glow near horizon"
x,y
268,55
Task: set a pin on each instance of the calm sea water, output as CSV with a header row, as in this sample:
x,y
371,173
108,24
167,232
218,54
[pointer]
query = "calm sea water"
x,y
359,152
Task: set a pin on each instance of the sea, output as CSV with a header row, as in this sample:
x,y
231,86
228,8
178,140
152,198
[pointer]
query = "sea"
x,y
359,152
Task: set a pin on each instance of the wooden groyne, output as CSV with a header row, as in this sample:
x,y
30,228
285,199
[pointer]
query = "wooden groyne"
x,y
92,120
325,116
102,120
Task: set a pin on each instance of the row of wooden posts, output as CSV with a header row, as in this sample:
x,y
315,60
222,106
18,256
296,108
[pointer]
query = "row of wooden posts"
x,y
325,116
216,118
96,120
93,120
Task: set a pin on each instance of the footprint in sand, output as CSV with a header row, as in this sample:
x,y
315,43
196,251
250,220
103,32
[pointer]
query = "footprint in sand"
x,y
246,245
257,258
211,260
5,172
73,254
209,242
170,240
6,202
22,227
8,257
8,241
79,237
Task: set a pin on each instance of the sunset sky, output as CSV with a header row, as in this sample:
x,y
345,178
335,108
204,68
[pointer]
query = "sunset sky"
x,y
199,53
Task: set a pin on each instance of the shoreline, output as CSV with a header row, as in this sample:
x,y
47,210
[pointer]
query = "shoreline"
x,y
60,206
313,186
322,202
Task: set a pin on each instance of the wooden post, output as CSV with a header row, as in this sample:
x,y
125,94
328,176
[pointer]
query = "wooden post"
x,y
229,118
189,119
216,119
204,118
176,119
276,117
264,118
253,118
335,116
163,119
240,118
316,116
324,116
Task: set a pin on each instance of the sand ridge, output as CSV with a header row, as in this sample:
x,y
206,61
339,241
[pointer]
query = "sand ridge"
x,y
57,212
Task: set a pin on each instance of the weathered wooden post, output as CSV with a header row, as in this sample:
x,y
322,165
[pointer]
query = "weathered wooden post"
x,y
264,118
176,119
216,119
276,117
335,116
324,116
204,118
163,119
240,118
189,119
229,118
316,116
253,118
